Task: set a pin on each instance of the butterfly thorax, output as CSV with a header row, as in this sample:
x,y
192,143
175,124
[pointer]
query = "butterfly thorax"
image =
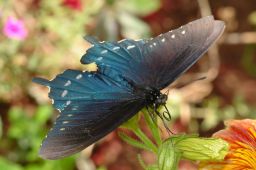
x,y
154,96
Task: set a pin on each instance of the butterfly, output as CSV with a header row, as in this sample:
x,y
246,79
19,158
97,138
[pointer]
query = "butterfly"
x,y
130,76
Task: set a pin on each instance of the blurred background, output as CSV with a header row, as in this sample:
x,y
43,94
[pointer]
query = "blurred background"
x,y
44,37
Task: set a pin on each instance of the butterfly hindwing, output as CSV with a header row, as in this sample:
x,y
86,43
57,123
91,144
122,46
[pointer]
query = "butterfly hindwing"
x,y
91,106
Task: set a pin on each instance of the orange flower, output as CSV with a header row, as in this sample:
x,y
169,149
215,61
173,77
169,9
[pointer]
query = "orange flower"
x,y
241,136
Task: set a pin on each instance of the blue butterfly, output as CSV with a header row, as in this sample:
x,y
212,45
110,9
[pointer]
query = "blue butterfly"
x,y
130,76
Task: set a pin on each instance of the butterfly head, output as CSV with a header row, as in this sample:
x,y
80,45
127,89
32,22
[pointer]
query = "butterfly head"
x,y
154,96
161,99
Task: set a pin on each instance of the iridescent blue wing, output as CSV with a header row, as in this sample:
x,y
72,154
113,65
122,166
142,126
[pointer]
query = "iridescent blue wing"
x,y
91,105
156,62
118,60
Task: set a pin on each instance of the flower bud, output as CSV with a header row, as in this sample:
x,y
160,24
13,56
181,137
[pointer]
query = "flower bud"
x,y
196,148
168,156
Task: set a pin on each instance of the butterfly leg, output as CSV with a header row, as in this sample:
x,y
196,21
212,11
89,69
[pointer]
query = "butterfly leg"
x,y
163,120
166,114
152,115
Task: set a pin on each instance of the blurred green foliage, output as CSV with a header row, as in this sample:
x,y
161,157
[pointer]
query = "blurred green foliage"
x,y
22,141
213,113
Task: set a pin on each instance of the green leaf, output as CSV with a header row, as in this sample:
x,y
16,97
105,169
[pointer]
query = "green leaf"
x,y
132,141
132,123
142,163
146,140
168,156
43,113
8,165
19,123
66,163
153,127
152,167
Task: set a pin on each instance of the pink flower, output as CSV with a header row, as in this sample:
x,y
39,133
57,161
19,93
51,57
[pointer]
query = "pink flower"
x,y
73,4
15,29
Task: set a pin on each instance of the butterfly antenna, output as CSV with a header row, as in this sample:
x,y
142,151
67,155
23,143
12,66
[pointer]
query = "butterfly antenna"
x,y
153,117
191,81
166,114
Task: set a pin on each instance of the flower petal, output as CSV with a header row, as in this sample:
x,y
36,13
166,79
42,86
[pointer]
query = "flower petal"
x,y
241,135
15,29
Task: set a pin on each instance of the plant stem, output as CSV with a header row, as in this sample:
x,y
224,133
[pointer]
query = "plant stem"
x,y
146,140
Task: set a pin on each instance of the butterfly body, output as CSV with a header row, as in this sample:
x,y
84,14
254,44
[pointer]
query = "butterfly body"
x,y
130,76
153,96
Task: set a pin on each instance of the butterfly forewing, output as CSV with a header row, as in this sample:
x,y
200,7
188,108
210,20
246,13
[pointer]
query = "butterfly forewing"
x,y
159,61
172,53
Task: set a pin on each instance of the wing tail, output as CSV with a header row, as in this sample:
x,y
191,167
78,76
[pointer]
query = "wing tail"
x,y
41,81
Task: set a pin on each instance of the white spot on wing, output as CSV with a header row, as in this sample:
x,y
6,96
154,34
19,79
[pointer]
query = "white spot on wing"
x,y
69,115
61,129
89,75
151,46
65,122
68,102
100,58
163,40
49,89
154,44
64,93
116,48
121,40
67,83
104,51
173,36
183,32
138,40
74,108
79,76
130,46
52,101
